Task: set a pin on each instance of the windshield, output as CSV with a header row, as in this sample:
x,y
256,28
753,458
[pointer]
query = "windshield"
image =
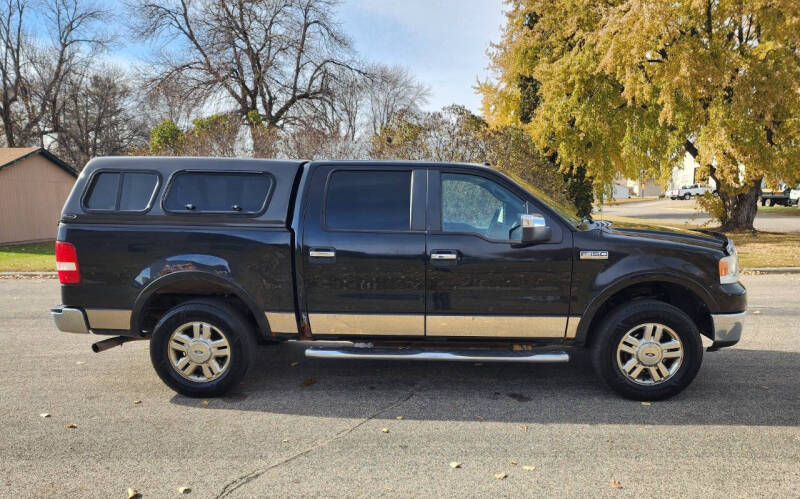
x,y
563,208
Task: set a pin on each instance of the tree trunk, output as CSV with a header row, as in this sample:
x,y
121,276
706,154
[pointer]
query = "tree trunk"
x,y
740,209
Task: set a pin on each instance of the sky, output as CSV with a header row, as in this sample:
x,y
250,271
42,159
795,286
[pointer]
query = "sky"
x,y
442,42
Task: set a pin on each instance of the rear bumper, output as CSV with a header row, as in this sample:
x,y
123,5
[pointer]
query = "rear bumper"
x,y
727,329
70,320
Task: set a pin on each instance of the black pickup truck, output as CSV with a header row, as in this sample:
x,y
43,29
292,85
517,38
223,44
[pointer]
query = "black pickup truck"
x,y
207,258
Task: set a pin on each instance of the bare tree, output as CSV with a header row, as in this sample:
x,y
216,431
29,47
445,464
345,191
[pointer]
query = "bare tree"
x,y
35,74
266,56
99,118
393,92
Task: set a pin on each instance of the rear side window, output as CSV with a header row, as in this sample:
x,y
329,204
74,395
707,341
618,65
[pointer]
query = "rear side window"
x,y
367,200
234,193
121,191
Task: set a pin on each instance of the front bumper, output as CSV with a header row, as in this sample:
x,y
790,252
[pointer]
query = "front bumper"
x,y
727,329
70,320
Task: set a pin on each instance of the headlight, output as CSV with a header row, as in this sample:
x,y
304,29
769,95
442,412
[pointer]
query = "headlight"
x,y
729,266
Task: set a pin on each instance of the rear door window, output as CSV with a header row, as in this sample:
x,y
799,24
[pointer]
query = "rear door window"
x,y
369,200
121,191
209,192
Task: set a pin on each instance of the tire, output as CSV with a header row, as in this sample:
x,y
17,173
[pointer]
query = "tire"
x,y
219,366
687,196
672,198
609,362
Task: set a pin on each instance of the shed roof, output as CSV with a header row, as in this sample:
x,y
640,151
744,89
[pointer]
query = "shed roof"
x,y
11,155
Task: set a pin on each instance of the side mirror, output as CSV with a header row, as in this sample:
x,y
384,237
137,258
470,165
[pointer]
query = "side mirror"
x,y
534,229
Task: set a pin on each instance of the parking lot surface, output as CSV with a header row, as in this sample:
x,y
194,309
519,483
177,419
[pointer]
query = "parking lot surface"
x,y
316,428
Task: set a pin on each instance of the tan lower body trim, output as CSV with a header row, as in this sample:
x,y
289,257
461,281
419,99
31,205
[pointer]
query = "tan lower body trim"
x,y
497,326
282,322
108,318
368,324
572,327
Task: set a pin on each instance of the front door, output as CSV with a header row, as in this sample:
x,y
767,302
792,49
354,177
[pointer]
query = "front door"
x,y
364,251
481,282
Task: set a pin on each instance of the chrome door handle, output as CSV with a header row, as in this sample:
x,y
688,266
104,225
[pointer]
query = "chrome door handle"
x,y
444,256
322,253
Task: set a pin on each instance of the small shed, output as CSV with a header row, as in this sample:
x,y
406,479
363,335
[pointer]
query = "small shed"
x,y
34,184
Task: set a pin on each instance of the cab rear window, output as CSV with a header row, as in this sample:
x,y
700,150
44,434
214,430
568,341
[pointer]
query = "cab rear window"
x,y
209,192
121,191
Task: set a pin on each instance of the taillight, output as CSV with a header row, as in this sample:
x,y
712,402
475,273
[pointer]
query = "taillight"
x,y
67,263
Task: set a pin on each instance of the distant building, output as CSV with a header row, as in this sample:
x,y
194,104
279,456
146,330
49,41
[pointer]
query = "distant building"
x,y
33,187
687,174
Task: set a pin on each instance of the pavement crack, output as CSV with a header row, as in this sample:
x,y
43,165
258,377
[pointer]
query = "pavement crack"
x,y
236,483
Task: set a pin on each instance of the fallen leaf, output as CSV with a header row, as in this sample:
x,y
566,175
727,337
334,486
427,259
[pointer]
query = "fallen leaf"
x,y
756,312
399,418
645,403
512,462
500,476
184,490
72,426
80,362
614,483
524,427
137,402
205,402
44,415
479,418
455,464
308,382
765,387
133,493
284,440
385,430
528,468
294,364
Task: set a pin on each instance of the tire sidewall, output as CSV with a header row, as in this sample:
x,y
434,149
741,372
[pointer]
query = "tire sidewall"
x,y
224,318
630,316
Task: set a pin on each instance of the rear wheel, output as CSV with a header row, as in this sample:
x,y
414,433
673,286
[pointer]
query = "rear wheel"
x,y
687,196
202,348
647,350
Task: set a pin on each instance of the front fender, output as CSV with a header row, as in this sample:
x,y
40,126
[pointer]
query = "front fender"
x,y
608,284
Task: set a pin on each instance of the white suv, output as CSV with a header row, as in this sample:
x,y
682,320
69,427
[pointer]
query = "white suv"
x,y
687,191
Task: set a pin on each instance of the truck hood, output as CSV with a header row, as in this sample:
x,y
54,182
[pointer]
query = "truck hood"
x,y
697,237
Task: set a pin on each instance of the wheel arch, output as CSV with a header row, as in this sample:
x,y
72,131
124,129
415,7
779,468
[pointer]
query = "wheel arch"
x,y
685,294
178,287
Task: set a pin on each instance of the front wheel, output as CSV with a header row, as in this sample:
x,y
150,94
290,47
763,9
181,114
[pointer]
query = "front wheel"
x,y
202,348
687,196
647,350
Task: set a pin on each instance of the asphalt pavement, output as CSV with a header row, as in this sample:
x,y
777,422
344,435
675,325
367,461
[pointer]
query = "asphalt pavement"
x,y
315,428
686,212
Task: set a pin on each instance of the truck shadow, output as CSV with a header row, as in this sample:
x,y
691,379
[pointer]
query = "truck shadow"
x,y
734,387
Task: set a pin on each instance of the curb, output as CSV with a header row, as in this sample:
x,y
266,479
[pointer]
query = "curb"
x,y
28,275
772,270
54,275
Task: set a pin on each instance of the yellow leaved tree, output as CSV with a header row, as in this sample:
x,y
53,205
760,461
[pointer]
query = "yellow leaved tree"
x,y
630,86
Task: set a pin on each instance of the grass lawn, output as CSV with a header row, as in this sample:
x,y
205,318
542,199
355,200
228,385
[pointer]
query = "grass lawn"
x,y
28,257
767,249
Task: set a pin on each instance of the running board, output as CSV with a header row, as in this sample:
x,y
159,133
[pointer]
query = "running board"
x,y
452,355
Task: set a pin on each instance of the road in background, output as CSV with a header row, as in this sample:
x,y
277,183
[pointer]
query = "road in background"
x,y
315,428
685,212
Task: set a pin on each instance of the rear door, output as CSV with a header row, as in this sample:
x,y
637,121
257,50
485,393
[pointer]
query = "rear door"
x,y
481,282
363,250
